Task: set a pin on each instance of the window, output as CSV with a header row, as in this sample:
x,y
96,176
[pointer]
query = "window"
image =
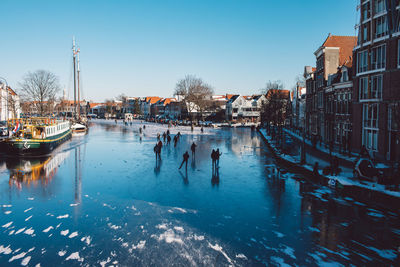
x,y
378,57
235,110
381,27
363,87
376,87
366,32
379,6
370,115
365,11
362,61
345,76
370,126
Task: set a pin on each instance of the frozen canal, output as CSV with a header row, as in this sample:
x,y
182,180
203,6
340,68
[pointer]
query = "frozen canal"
x,y
100,200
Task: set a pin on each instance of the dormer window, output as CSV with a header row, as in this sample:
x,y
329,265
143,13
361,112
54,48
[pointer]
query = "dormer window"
x,y
345,76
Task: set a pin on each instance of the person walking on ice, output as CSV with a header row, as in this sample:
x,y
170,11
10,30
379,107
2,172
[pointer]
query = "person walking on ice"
x,y
217,155
185,159
193,148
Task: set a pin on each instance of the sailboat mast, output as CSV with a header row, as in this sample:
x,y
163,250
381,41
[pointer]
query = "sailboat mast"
x,y
73,53
79,93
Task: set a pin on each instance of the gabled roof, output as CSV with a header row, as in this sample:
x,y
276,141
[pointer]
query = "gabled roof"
x,y
233,98
229,96
152,99
346,45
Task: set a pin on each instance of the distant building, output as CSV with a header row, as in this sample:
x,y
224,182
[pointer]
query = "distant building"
x,y
9,103
244,108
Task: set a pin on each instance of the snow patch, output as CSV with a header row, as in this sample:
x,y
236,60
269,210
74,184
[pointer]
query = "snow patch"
x,y
29,231
218,248
114,227
241,256
7,212
28,209
162,226
20,230
179,229
61,253
48,229
27,219
65,232
7,225
26,261
5,250
169,237
63,216
74,234
74,256
16,257
87,240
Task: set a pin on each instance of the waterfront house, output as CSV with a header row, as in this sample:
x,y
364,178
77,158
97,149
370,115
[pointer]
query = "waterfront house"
x,y
376,91
9,103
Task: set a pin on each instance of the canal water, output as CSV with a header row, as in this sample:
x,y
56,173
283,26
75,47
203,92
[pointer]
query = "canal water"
x,y
101,200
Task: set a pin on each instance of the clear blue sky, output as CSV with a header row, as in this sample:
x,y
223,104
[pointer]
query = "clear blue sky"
x,y
142,48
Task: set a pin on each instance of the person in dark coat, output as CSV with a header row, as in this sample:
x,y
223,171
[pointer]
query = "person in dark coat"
x,y
158,137
157,151
175,140
168,139
193,148
164,135
185,159
217,155
159,145
213,158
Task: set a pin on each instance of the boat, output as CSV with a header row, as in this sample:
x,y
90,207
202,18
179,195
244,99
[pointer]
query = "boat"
x,y
36,136
79,125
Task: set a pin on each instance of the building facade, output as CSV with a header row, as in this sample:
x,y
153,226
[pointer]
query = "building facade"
x,y
335,52
9,103
376,91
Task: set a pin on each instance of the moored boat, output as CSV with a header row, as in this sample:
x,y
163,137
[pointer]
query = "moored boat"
x,y
36,136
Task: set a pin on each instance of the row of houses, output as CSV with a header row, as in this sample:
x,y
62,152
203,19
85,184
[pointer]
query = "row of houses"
x,y
351,97
229,107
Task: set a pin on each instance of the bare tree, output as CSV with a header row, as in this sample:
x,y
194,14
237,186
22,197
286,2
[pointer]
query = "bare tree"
x,y
195,94
40,88
277,85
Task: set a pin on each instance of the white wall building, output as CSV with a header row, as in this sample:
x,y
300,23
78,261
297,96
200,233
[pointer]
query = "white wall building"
x,y
9,100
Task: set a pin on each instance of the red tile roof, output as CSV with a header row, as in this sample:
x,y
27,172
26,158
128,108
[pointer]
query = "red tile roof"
x,y
346,45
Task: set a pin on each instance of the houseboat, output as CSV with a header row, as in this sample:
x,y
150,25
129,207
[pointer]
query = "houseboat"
x,y
36,136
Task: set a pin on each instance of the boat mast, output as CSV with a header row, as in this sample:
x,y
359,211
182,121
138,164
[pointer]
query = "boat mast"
x,y
79,98
74,56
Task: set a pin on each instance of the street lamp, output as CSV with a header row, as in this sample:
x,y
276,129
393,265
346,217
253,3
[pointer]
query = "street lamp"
x,y
5,82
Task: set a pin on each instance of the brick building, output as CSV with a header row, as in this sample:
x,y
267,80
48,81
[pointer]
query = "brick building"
x,y
332,55
376,92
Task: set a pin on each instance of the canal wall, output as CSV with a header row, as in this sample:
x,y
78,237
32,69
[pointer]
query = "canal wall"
x,y
368,192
